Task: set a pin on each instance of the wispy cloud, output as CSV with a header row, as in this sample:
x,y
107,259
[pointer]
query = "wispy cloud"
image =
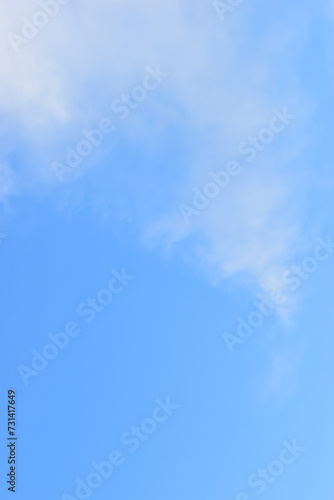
x,y
224,82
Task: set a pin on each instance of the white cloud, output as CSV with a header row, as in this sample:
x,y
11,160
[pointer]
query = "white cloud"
x,y
224,80
250,228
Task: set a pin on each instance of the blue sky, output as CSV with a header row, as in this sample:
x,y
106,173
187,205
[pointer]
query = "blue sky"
x,y
165,291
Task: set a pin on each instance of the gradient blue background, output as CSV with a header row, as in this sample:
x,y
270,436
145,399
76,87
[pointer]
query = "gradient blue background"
x,y
162,336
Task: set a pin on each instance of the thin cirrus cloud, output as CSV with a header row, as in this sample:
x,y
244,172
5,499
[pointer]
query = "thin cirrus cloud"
x,y
223,83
